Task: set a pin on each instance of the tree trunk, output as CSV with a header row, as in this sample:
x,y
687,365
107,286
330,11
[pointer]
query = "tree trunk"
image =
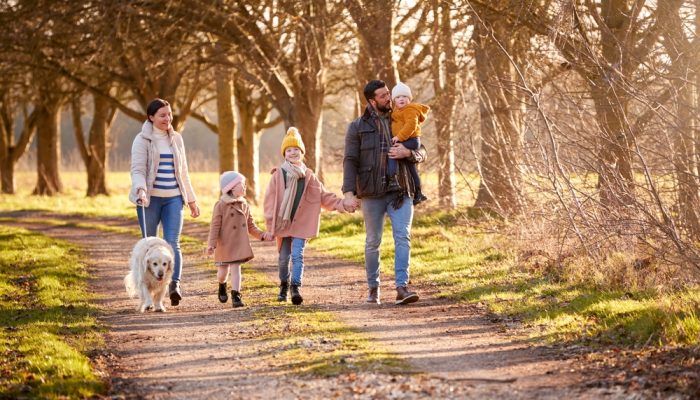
x,y
248,152
98,145
445,87
501,143
227,121
683,105
48,149
7,172
6,136
615,162
309,119
10,150
375,28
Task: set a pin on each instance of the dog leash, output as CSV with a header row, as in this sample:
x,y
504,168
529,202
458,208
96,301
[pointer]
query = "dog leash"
x,y
143,212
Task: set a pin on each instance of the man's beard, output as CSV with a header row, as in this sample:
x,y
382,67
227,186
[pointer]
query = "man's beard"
x,y
383,109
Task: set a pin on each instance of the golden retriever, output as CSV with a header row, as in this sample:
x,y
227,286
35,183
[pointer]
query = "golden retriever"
x,y
151,269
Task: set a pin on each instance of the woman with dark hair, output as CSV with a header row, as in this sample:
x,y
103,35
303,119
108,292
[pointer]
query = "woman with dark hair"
x,y
160,183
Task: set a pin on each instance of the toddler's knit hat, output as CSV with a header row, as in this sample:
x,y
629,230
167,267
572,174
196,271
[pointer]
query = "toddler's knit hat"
x,y
229,179
292,139
401,89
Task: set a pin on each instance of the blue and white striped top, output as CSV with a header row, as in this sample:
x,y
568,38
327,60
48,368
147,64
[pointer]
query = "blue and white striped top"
x,y
165,184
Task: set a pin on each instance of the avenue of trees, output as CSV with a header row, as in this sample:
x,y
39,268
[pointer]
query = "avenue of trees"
x,y
578,117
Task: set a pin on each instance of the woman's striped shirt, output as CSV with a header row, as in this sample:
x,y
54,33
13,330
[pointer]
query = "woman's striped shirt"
x,y
165,184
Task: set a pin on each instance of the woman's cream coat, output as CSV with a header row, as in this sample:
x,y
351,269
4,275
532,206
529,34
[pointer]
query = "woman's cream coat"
x,y
144,164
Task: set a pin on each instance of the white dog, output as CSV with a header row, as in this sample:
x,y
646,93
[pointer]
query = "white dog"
x,y
151,269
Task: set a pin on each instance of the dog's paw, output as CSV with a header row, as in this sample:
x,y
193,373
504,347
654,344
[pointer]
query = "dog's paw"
x,y
160,309
149,307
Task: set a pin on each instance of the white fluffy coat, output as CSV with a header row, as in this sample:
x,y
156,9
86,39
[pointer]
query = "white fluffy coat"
x,y
151,266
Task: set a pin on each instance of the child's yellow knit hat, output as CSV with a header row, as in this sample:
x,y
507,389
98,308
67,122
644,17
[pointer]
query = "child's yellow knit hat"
x,y
292,139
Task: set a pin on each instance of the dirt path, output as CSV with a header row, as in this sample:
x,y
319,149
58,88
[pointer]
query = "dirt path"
x,y
202,349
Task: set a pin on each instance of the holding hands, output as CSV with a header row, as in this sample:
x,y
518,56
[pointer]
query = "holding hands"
x,y
350,202
266,236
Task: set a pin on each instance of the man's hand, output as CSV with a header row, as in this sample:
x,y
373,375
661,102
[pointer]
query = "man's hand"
x,y
398,151
350,202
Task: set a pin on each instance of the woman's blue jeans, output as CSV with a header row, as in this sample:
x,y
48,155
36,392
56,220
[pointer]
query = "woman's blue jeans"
x,y
292,248
374,210
166,211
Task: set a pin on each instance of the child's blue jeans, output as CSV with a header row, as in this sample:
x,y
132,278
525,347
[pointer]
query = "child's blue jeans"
x,y
292,248
411,144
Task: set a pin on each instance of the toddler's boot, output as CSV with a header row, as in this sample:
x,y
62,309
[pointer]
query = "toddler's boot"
x,y
236,299
419,198
223,296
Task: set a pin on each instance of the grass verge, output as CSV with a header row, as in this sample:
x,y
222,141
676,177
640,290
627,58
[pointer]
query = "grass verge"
x,y
457,256
48,324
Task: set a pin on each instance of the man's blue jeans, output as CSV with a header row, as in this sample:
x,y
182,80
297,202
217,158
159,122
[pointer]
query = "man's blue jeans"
x,y
374,211
168,212
292,248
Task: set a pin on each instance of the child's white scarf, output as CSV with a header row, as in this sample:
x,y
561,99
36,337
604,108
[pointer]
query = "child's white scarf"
x,y
294,173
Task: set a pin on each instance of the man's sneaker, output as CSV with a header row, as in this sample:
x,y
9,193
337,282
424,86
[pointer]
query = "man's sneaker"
x,y
419,198
373,296
236,299
223,296
175,293
403,296
392,184
284,286
296,295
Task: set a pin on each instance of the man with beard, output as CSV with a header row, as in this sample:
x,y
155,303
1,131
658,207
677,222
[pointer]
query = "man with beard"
x,y
368,147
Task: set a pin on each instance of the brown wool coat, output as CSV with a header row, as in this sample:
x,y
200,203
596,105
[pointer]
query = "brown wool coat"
x,y
406,122
231,224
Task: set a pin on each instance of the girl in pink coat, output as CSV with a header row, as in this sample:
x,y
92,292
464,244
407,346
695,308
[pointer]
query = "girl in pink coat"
x,y
292,209
229,242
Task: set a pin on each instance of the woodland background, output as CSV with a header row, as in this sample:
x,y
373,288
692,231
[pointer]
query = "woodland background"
x,y
573,121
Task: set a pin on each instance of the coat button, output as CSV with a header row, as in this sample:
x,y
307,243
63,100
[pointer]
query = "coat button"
x,y
234,227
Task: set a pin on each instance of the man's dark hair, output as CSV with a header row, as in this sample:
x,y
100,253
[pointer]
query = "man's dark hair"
x,y
371,86
155,105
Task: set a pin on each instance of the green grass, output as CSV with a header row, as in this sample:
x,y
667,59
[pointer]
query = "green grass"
x,y
48,322
457,256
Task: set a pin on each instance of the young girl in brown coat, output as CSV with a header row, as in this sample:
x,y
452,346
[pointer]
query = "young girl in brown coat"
x,y
231,225
293,204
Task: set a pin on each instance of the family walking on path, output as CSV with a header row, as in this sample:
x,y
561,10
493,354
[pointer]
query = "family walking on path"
x,y
379,177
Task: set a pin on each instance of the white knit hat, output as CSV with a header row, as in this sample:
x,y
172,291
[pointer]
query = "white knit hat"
x,y
401,89
229,179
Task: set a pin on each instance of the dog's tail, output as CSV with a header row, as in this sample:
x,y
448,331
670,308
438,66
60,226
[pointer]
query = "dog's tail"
x,y
130,285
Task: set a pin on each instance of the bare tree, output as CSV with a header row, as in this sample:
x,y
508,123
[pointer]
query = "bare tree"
x,y
12,148
495,41
444,72
95,152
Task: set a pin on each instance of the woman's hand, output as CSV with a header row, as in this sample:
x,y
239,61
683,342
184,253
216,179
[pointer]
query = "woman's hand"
x,y
141,196
194,209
